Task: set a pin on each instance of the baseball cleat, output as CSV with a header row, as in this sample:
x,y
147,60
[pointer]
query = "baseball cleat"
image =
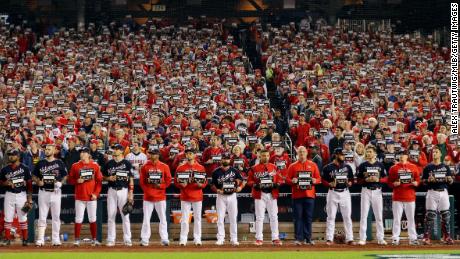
x,y
259,242
298,243
183,243
329,243
110,243
448,241
220,243
277,242
39,244
382,242
198,243
76,242
95,243
362,242
235,243
24,242
309,242
128,243
165,243
426,241
144,243
57,244
6,242
414,242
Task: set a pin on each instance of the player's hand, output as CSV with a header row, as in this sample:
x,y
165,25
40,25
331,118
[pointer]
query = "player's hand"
x,y
40,183
375,179
397,183
156,186
238,189
415,183
332,184
57,185
112,178
93,197
80,180
130,197
449,179
368,179
313,180
349,183
294,180
200,185
183,185
9,183
431,179
220,191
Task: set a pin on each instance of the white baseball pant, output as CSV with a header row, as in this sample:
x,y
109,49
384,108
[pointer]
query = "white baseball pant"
x,y
49,201
13,203
80,207
398,209
186,208
371,198
334,201
227,203
160,208
437,201
116,199
266,202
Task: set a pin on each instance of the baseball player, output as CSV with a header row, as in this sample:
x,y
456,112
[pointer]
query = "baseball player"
x,y
338,176
137,158
17,181
87,178
118,173
371,175
437,176
302,176
191,180
265,180
226,182
49,174
155,177
404,177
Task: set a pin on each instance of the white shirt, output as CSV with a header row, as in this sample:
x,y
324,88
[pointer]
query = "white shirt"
x,y
137,161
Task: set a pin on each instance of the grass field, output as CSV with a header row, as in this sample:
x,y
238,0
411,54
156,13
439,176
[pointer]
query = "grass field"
x,y
232,255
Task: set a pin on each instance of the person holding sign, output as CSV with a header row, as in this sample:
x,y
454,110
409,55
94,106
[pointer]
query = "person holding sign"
x,y
49,174
265,180
437,177
404,178
338,177
226,182
371,175
118,173
154,178
87,178
212,155
191,180
302,176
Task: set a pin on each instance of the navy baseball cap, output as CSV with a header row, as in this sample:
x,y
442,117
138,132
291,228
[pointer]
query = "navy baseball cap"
x,y
338,151
117,146
84,150
226,155
13,152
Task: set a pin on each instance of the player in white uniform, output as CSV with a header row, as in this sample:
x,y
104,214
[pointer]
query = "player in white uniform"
x,y
137,158
338,176
49,174
121,185
226,182
16,179
371,174
437,176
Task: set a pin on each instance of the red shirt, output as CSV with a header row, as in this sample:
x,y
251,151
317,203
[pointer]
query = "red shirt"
x,y
191,192
301,133
150,192
260,171
282,163
405,192
293,172
93,185
208,154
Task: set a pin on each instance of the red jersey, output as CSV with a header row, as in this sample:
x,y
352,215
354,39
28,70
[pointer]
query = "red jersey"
x,y
406,173
262,171
282,163
93,180
293,172
146,174
300,133
191,192
212,153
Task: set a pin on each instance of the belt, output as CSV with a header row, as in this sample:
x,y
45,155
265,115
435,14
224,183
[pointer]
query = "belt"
x,y
438,190
339,190
373,188
118,188
47,190
15,191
